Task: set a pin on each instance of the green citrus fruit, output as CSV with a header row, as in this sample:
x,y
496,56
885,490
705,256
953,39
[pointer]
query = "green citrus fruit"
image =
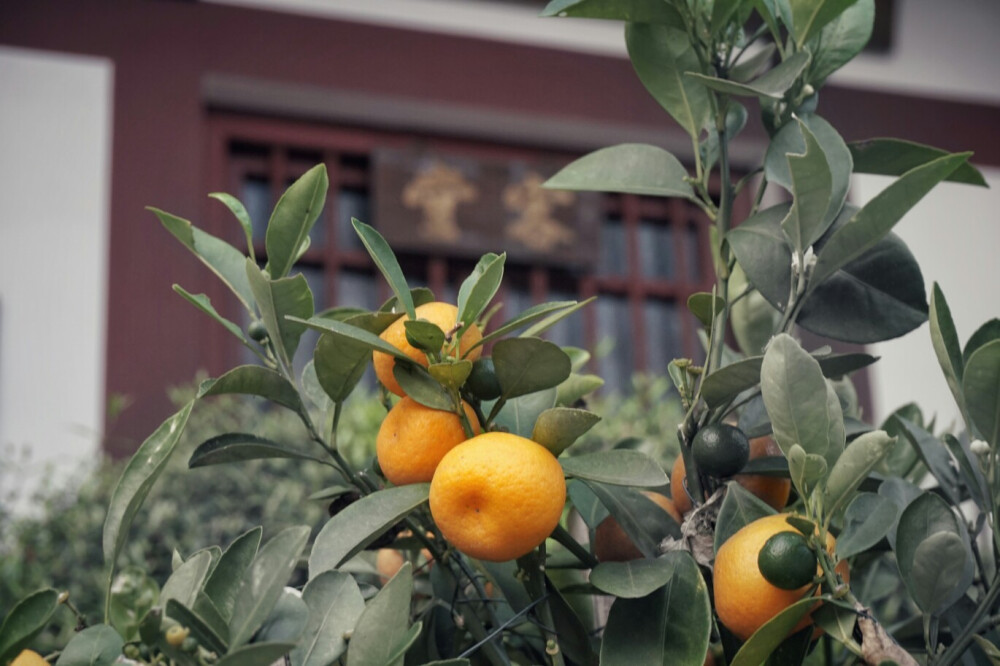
x,y
720,450
787,561
482,381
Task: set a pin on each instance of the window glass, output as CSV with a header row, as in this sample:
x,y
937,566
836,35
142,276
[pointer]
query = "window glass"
x,y
692,252
351,202
614,251
656,250
614,343
663,335
357,289
256,198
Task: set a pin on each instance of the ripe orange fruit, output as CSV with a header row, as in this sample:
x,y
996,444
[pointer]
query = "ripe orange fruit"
x,y
744,600
612,544
444,315
29,658
413,438
773,490
497,496
388,561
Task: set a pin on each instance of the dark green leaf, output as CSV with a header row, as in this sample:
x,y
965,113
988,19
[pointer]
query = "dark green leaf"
x,y
347,533
669,626
532,314
880,215
772,83
228,263
901,493
638,11
705,307
450,374
839,365
25,620
187,580
810,16
199,628
933,453
136,481
946,345
236,207
330,492
852,467
224,581
661,55
384,623
619,467
868,520
479,289
739,509
981,386
723,11
263,582
557,428
586,503
293,218
257,654
576,387
528,365
895,157
933,556
254,380
204,303
631,168
736,120
572,624
240,447
341,329
287,620
748,67
633,579
551,320
335,604
386,261
277,300
645,525
766,639
971,470
340,362
424,335
988,332
99,645
840,40
520,415
418,383
728,382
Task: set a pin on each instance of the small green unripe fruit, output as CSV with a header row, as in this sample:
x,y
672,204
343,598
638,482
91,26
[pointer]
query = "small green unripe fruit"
x,y
720,450
132,651
176,635
190,645
482,381
257,331
787,561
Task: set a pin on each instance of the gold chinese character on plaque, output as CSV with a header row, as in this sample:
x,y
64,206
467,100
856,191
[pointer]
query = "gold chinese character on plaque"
x,y
438,191
535,226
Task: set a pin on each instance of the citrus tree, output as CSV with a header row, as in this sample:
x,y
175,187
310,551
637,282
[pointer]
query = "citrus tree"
x,y
790,530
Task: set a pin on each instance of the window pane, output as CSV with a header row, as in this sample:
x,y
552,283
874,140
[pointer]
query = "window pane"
x,y
614,334
516,300
569,331
351,203
613,259
357,290
256,198
693,254
656,250
663,335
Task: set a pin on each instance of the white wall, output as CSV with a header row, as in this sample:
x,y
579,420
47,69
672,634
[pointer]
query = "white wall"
x,y
55,142
954,233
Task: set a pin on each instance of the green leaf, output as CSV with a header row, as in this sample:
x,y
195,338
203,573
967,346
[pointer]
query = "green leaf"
x,y
806,469
387,263
263,582
240,447
736,120
204,303
988,332
576,387
520,415
840,40
136,481
25,620
705,307
868,519
293,218
970,469
723,11
557,428
529,316
739,509
187,580
479,289
342,329
669,626
98,645
803,408
895,157
255,380
347,533
586,503
528,365
551,320
257,654
661,55
419,296
199,628
946,345
133,594
810,16
981,386
277,300
335,604
418,384
766,639
933,453
880,215
638,11
451,375
287,620
384,623
933,554
619,467
634,579
773,83
228,263
424,335
630,168
340,362
238,210
224,582
729,381
852,467
645,525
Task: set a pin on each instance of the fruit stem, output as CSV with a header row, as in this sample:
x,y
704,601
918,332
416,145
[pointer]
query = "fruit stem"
x,y
563,537
533,565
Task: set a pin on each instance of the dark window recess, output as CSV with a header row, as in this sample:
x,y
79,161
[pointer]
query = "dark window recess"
x,y
652,253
